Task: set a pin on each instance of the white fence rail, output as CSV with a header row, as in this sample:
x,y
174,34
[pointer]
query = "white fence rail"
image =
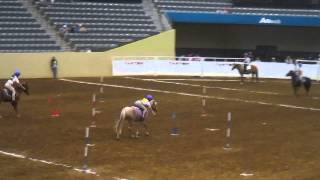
x,y
124,66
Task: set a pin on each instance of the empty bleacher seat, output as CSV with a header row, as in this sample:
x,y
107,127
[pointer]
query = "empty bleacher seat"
x,y
20,32
108,24
217,6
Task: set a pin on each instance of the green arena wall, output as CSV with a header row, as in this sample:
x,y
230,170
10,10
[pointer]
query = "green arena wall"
x,y
83,64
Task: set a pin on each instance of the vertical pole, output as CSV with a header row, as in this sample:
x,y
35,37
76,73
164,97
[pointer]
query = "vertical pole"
x,y
85,159
87,140
86,148
101,87
228,133
175,129
204,93
101,90
93,110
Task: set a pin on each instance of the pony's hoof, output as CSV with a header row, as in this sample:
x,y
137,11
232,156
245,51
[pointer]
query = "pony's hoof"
x,y
147,134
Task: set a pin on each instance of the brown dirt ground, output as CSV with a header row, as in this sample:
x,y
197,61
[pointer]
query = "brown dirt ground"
x,y
272,142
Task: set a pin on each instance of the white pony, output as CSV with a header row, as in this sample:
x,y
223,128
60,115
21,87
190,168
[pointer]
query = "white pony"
x,y
134,116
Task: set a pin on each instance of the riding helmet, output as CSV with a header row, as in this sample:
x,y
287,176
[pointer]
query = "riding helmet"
x,y
17,73
149,97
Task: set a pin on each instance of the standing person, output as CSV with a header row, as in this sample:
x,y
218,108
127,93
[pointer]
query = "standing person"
x,y
10,82
54,67
143,104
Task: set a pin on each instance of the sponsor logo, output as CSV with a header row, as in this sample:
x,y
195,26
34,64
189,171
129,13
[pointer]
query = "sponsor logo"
x,y
134,63
179,63
269,21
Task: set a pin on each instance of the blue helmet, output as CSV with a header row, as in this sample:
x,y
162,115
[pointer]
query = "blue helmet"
x,y
149,97
17,73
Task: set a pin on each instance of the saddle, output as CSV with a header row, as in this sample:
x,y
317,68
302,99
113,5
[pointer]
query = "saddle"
x,y
139,112
247,69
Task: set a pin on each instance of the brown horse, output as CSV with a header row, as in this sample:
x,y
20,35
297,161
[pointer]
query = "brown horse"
x,y
134,116
253,71
296,82
5,95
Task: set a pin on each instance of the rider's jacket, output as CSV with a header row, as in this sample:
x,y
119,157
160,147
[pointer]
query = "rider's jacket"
x,y
145,102
12,80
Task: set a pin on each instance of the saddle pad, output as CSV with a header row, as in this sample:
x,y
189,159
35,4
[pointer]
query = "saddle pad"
x,y
138,111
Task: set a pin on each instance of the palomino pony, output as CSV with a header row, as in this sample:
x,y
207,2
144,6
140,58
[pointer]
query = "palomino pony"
x,y
134,116
253,71
5,95
296,82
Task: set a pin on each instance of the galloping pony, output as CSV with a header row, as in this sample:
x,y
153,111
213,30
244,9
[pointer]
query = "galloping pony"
x,y
5,95
296,82
134,117
253,71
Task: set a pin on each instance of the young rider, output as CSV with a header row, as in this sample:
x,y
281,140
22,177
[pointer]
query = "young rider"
x,y
143,104
246,61
9,84
298,71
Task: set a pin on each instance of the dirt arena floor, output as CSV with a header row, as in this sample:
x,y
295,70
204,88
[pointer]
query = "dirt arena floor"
x,y
274,135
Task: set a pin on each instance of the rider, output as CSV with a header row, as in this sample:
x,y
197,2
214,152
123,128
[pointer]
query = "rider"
x,y
299,71
9,84
143,104
246,61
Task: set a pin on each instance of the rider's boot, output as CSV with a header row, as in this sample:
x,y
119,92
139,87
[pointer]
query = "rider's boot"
x,y
143,115
13,96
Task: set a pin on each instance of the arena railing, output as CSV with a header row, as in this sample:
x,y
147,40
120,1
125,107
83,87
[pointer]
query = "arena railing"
x,y
181,58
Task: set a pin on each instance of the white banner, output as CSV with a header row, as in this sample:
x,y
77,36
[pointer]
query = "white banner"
x,y
205,68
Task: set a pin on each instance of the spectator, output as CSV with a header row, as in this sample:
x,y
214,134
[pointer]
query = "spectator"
x,y
75,28
196,57
82,28
288,60
258,59
181,58
54,67
63,29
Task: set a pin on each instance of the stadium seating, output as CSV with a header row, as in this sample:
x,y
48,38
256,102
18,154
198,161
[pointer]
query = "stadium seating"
x,y
108,25
20,32
226,6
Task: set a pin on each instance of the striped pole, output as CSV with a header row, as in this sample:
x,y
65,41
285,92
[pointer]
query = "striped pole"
x,y
93,111
86,148
175,128
204,93
101,87
228,133
101,90
85,159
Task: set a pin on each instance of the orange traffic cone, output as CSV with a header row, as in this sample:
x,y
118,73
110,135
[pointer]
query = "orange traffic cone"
x,y
55,113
